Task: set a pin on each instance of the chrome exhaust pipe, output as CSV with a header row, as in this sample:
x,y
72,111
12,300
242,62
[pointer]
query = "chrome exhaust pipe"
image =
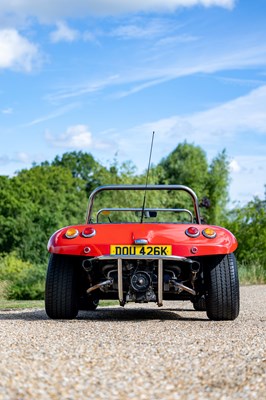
x,y
181,287
100,285
120,282
160,282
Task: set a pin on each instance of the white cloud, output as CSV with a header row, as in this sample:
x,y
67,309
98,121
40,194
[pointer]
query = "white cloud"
x,y
222,123
63,33
17,52
53,10
250,180
238,125
83,89
4,159
146,29
18,158
148,72
173,40
234,166
89,37
23,157
76,137
7,111
52,115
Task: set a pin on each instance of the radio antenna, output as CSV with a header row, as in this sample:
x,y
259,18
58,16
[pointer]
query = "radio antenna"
x,y
147,177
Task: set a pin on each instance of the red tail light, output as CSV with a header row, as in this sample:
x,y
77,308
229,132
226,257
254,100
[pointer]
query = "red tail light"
x,y
88,232
192,231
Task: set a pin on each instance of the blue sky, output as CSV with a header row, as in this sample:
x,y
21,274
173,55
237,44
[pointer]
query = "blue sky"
x,y
101,75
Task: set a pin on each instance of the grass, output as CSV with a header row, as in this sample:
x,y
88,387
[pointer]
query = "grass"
x,y
18,304
254,274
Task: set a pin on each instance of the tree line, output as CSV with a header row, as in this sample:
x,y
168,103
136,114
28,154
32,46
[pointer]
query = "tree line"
x,y
37,201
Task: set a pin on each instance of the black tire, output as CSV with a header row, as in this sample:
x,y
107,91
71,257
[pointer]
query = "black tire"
x,y
61,297
200,305
222,288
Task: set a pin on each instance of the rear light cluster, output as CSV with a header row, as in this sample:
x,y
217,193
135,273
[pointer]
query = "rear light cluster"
x,y
194,232
71,233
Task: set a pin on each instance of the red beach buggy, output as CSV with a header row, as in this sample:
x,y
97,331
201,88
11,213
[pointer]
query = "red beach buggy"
x,y
140,254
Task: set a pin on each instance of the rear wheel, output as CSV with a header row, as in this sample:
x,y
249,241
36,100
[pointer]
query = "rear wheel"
x,y
61,297
200,305
222,288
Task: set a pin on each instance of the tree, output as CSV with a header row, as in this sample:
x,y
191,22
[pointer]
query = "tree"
x,y
186,165
82,165
217,184
248,223
34,204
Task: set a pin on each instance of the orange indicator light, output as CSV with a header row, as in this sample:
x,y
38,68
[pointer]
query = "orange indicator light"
x,y
209,233
71,233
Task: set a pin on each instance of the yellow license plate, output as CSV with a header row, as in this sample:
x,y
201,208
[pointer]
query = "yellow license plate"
x,y
140,250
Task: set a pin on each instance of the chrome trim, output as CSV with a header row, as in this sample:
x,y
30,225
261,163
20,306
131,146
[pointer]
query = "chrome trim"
x,y
144,187
120,281
160,282
122,257
183,287
141,241
146,209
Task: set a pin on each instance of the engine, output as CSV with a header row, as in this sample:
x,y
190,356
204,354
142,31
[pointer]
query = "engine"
x,y
140,279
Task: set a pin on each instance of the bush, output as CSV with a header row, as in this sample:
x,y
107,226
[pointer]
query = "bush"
x,y
3,289
252,274
21,280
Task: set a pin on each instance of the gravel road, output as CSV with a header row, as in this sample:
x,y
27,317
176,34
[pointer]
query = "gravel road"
x,y
138,353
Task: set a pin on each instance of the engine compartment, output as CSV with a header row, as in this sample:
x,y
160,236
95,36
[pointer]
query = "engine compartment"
x,y
140,280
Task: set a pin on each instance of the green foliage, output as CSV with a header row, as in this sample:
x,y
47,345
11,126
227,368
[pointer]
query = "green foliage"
x,y
82,166
187,165
252,273
249,226
21,280
34,204
217,187
18,304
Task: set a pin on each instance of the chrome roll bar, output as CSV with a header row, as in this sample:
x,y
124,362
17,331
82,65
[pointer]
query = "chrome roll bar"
x,y
144,187
184,210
